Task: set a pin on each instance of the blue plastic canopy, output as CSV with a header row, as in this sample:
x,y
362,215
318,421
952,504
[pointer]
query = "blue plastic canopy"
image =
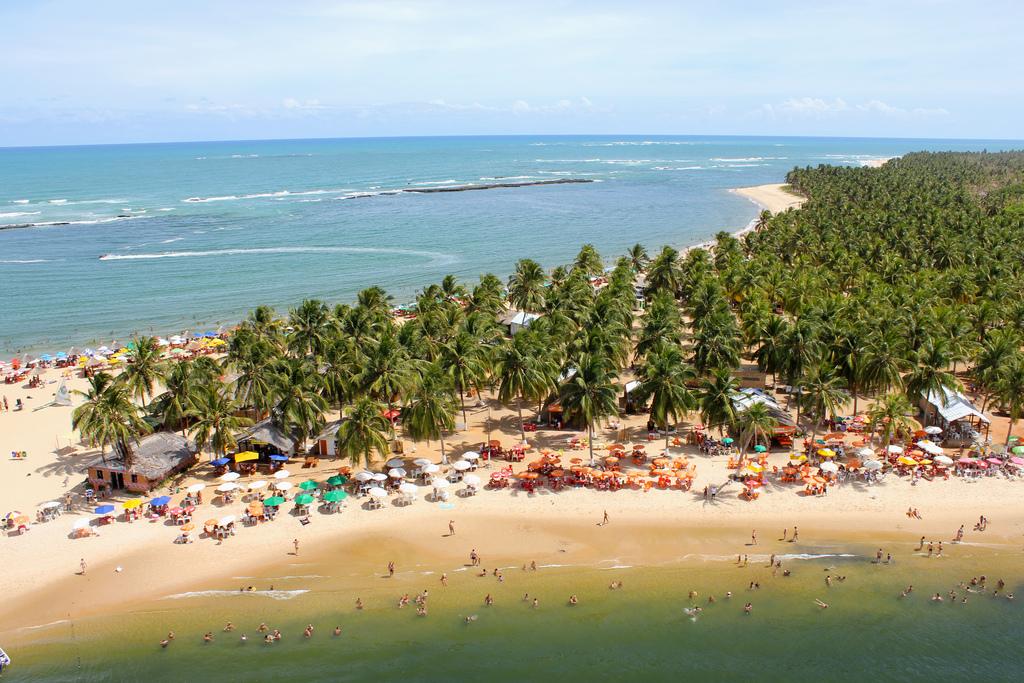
x,y
104,510
277,457
220,461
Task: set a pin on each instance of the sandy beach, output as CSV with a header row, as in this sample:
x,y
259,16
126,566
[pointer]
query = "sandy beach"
x,y
773,197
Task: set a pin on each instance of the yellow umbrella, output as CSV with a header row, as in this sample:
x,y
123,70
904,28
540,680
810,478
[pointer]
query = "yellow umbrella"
x,y
904,460
755,468
925,462
797,458
245,456
132,504
826,453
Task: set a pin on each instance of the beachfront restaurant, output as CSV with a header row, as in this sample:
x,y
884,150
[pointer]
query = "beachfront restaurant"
x,y
961,422
154,458
744,398
266,438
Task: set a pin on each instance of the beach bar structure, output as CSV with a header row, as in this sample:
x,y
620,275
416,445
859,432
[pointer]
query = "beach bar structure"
x,y
745,398
954,412
154,458
265,438
325,440
518,320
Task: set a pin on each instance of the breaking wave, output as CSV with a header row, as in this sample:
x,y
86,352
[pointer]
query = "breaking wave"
x,y
273,595
433,255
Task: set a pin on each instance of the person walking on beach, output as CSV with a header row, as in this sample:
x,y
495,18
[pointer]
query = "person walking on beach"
x,y
391,569
444,580
753,537
81,564
296,544
451,527
604,522
796,535
474,559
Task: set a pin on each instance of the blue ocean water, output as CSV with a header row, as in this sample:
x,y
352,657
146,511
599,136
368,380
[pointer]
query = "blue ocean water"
x,y
193,235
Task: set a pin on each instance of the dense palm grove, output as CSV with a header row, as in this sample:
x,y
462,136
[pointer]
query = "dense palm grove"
x,y
882,286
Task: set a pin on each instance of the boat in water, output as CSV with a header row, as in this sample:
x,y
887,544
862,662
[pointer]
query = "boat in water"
x,y
5,661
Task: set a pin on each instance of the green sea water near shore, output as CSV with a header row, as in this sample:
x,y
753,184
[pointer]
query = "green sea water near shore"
x,y
639,632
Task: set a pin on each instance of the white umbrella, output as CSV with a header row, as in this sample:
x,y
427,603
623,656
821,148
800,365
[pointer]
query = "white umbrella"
x,y
929,447
229,486
230,476
934,429
50,505
462,466
396,473
440,483
378,492
395,462
258,484
829,467
225,520
283,485
471,479
282,474
363,476
81,523
471,455
943,459
895,449
406,487
865,452
872,465
380,476
196,488
421,462
431,469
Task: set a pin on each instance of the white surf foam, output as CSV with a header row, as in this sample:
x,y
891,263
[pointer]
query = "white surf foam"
x,y
437,256
273,595
173,239
15,214
58,201
29,260
745,158
437,182
42,626
264,195
19,201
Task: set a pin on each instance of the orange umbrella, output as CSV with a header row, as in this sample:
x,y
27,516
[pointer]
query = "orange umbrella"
x,y
557,473
661,473
660,462
611,459
187,527
616,447
575,468
835,436
256,508
577,461
639,446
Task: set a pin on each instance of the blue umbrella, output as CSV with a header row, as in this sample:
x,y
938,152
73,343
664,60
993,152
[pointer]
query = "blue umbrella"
x,y
46,357
104,510
61,354
162,500
277,457
220,461
210,335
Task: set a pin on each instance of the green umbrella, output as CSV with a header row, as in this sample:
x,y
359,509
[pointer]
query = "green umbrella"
x,y
1018,450
727,440
759,448
337,480
304,499
273,501
335,496
308,485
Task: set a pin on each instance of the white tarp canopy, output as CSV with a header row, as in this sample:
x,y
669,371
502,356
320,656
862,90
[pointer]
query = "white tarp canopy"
x,y
745,398
953,406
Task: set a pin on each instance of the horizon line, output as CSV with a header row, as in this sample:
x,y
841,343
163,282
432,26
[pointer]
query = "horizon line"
x,y
508,135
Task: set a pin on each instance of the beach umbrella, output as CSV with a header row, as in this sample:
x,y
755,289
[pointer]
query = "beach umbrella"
x,y
273,501
471,455
943,459
872,465
220,462
474,480
421,462
258,484
378,492
929,447
826,453
187,527
82,523
759,448
933,430
160,501
363,476
225,520
440,483
282,474
50,505
431,468
132,504
395,462
909,462
303,499
230,476
829,467
408,489
893,448
282,485
103,510
246,456
195,488
379,476
1017,450
277,457
227,487
462,466
727,440
309,485
396,473
337,480
865,452
335,496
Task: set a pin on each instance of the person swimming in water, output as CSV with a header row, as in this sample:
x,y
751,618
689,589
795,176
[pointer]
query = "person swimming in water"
x,y
819,603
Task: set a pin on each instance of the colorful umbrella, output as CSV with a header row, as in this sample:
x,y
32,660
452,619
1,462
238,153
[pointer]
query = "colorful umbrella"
x,y
337,480
303,499
335,496
309,485
273,501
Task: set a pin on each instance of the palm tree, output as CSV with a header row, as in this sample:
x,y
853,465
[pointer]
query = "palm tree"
x,y
823,394
387,370
930,375
664,273
145,369
588,261
522,374
590,395
892,414
716,399
364,430
638,258
216,420
663,380
300,406
1010,391
771,339
884,362
375,300
526,286
183,383
755,422
310,324
464,360
431,408
108,417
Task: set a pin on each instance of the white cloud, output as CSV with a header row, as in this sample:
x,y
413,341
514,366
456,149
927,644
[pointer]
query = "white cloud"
x,y
819,108
879,107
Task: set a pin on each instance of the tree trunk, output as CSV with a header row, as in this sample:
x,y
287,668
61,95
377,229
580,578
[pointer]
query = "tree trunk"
x,y
1009,432
444,456
465,420
522,429
590,442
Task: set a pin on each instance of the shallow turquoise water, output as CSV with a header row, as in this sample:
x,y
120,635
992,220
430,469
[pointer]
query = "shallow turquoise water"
x,y
199,233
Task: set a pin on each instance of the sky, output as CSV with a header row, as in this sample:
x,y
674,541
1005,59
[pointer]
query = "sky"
x,y
116,71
